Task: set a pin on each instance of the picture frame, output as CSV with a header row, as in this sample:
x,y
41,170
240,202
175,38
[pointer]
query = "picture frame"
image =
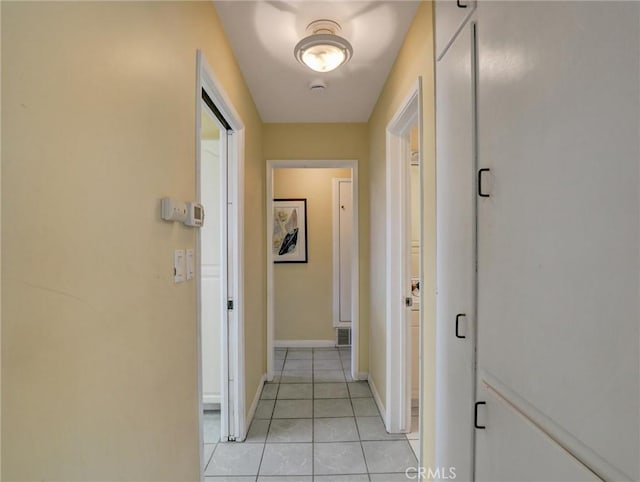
x,y
289,234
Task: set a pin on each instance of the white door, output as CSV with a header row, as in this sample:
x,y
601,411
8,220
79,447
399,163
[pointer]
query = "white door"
x,y
558,238
343,239
216,273
211,273
455,334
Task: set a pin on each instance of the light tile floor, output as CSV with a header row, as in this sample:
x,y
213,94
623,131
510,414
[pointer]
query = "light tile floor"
x,y
313,423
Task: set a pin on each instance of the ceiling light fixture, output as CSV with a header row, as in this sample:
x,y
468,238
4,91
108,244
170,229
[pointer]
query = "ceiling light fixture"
x,y
323,50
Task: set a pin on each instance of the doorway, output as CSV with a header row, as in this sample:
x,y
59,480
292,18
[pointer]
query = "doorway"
x,y
404,277
272,341
218,263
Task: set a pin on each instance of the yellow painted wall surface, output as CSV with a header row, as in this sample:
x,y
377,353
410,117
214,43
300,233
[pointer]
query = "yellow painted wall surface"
x,y
99,349
303,292
414,59
332,141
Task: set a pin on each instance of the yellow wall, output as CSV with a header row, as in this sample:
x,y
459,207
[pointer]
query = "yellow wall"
x,y
99,350
414,59
332,141
303,292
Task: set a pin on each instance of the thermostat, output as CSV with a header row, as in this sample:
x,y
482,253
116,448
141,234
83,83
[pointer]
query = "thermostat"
x,y
195,215
189,213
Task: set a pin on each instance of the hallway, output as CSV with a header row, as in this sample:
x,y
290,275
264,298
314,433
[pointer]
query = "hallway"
x,y
313,423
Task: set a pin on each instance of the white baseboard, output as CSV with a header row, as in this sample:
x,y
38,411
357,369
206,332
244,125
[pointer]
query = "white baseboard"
x,y
377,399
363,376
254,405
304,343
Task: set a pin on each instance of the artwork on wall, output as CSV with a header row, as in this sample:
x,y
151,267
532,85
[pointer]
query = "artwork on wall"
x,y
289,239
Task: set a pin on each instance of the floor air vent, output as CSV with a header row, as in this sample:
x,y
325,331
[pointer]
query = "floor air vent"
x,y
344,336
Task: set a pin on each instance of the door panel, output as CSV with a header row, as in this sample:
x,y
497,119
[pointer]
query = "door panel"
x,y
450,16
558,240
533,456
211,270
456,257
346,237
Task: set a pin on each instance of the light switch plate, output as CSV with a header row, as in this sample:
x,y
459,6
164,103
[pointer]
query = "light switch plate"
x,y
178,266
190,264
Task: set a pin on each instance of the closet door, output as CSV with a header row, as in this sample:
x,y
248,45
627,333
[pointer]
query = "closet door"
x,y
558,243
456,256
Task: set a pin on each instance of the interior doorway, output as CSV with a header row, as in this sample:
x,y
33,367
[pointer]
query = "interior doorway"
x,y
340,169
404,276
218,264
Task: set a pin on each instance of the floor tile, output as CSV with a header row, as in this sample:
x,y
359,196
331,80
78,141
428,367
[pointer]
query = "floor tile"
x,y
328,376
208,452
290,430
295,391
287,459
326,355
415,446
235,459
341,478
211,426
359,390
372,428
258,431
293,409
230,479
364,407
338,458
296,376
335,430
327,365
285,478
392,456
401,477
269,391
264,409
293,364
330,390
332,407
299,354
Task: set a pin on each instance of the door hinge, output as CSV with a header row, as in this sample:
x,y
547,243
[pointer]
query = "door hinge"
x,y
230,304
475,416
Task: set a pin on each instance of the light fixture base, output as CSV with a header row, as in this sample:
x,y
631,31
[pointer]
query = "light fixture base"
x,y
323,50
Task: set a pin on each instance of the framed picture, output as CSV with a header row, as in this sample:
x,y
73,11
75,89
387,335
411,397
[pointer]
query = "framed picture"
x,y
289,239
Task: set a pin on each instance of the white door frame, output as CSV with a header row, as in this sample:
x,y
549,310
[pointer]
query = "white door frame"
x,y
398,386
355,266
232,340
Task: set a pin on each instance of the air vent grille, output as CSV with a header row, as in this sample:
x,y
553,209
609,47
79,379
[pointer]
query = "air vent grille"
x,y
344,336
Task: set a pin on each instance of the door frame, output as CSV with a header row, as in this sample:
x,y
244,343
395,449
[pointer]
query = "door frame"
x,y
232,340
355,262
398,225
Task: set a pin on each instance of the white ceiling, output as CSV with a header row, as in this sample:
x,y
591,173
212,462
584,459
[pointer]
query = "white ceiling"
x,y
264,33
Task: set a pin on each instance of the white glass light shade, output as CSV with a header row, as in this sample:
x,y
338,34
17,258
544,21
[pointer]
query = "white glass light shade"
x,y
323,52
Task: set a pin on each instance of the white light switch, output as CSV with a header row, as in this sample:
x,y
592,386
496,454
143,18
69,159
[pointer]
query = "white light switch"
x,y
178,266
190,264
